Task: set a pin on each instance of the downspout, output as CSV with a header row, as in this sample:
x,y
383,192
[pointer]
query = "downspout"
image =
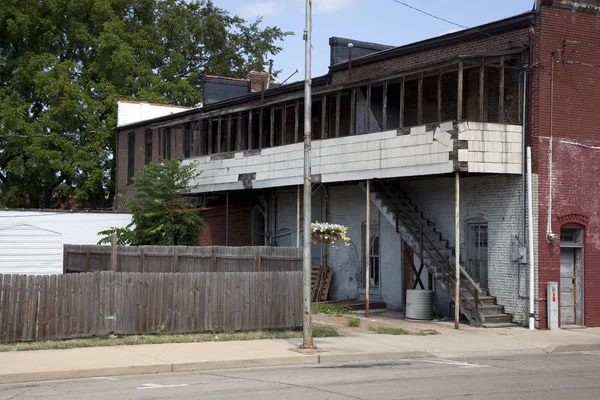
x,y
524,162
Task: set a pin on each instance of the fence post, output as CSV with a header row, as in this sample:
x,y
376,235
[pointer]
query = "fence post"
x,y
143,258
88,260
176,259
257,261
213,261
113,252
65,259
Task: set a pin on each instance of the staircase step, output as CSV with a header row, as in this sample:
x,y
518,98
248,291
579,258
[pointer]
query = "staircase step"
x,y
484,299
499,325
491,309
498,319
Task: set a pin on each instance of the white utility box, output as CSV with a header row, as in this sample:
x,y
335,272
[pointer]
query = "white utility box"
x,y
552,297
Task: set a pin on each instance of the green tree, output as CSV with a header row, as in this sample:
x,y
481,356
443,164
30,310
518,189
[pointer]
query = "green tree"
x,y
64,64
160,215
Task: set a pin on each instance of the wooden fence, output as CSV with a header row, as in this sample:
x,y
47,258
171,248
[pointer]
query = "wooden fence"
x,y
100,303
89,258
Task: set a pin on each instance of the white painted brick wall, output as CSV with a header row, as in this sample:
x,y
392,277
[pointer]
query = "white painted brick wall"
x,y
495,199
347,206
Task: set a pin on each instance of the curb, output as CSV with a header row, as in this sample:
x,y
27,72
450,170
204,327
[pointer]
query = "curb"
x,y
311,359
84,373
568,348
325,358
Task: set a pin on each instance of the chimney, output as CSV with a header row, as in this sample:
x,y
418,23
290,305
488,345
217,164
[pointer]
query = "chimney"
x,y
258,81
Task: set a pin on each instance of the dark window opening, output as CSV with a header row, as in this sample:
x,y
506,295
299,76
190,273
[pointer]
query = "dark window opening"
x,y
130,157
393,105
376,117
148,146
430,99
187,141
411,102
345,107
167,144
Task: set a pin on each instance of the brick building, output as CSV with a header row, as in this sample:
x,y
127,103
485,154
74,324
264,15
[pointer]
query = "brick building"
x,y
409,120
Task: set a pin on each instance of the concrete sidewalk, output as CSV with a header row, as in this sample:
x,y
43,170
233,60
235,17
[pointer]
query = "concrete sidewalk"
x,y
27,366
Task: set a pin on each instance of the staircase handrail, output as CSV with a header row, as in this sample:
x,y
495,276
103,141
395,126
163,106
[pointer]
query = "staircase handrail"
x,y
473,288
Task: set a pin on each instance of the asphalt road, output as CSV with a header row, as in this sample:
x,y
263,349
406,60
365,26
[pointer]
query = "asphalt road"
x,y
557,376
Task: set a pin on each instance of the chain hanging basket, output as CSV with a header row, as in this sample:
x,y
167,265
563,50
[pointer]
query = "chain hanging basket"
x,y
326,233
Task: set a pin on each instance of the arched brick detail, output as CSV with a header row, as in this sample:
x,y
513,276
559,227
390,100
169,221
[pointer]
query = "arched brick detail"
x,y
574,219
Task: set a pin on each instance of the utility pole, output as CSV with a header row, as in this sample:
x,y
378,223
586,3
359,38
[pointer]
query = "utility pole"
x,y
307,342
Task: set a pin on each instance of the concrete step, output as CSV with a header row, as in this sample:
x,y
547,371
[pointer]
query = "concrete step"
x,y
498,319
499,325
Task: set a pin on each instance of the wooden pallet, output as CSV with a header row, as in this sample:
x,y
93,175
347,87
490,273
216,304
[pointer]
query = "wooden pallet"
x,y
320,283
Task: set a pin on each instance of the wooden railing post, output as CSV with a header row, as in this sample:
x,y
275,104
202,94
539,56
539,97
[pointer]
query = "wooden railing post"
x,y
113,252
257,261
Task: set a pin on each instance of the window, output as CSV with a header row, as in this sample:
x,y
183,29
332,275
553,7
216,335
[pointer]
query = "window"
x,y
374,270
130,157
570,237
148,146
167,143
187,141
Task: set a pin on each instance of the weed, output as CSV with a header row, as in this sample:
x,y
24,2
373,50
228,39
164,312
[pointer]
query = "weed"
x,y
353,322
331,309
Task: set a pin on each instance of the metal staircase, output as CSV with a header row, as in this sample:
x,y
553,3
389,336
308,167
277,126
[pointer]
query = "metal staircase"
x,y
438,256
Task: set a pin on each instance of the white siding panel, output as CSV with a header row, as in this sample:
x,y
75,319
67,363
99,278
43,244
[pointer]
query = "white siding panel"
x,y
26,249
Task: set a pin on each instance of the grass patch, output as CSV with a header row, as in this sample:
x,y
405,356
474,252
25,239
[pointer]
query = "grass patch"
x,y
318,331
325,331
353,322
331,309
392,330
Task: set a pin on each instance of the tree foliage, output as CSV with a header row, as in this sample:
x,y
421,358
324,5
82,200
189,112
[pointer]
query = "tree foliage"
x,y
160,216
64,64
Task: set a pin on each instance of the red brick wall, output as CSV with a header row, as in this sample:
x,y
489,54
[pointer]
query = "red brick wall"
x,y
240,227
424,58
576,170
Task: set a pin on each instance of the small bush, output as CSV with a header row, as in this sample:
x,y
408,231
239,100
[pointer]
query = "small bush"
x,y
331,309
353,322
325,331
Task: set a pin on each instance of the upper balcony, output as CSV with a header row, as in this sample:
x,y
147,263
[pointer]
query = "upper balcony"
x,y
384,128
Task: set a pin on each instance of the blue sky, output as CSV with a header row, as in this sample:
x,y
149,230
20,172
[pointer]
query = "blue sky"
x,y
379,21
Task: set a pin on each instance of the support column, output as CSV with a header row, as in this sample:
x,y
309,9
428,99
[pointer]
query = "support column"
x,y
227,219
401,112
501,91
250,129
384,111
459,107
298,216
337,113
457,253
420,101
368,249
481,90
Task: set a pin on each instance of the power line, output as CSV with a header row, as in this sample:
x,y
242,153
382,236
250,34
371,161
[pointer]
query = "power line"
x,y
439,18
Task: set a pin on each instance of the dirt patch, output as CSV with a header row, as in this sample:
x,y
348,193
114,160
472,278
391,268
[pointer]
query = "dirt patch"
x,y
370,325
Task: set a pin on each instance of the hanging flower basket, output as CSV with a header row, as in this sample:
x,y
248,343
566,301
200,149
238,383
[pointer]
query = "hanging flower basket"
x,y
326,233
